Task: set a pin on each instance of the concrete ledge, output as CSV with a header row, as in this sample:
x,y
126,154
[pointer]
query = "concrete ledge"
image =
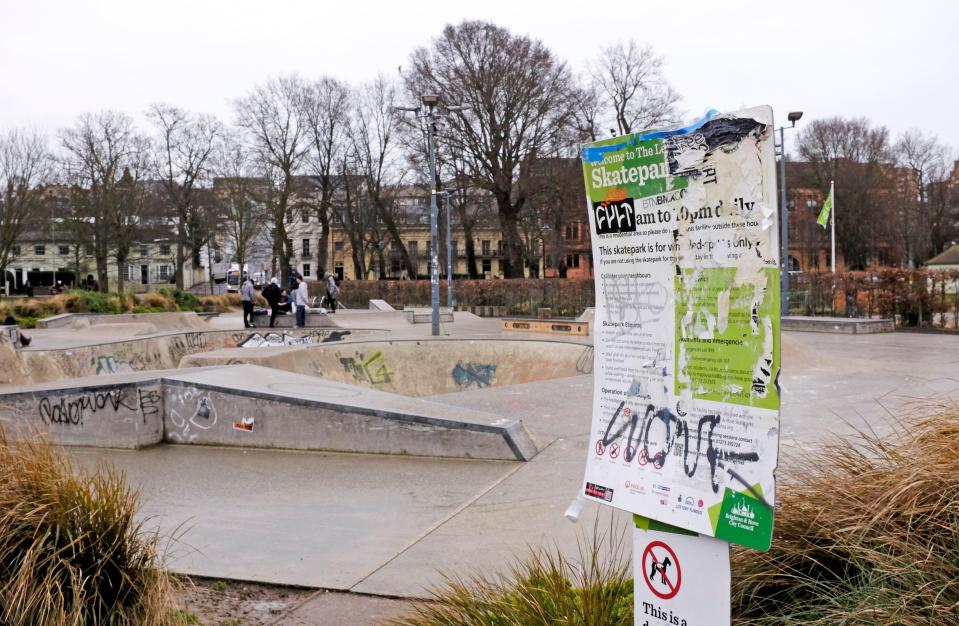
x,y
425,316
840,325
256,407
380,305
127,413
552,327
259,407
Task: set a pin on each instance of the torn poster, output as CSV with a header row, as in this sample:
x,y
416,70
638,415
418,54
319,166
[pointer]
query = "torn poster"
x,y
685,426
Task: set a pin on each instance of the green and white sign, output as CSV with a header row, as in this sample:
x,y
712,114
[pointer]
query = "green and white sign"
x,y
685,426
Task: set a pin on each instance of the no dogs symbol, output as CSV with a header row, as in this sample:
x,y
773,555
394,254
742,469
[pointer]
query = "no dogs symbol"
x,y
661,570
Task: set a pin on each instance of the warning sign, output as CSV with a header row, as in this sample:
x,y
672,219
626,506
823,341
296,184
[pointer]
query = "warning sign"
x,y
663,572
685,578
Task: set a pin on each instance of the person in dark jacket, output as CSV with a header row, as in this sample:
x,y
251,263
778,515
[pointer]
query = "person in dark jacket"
x,y
272,295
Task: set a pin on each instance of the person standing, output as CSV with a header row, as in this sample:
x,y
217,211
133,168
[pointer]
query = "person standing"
x,y
272,295
246,298
301,297
332,291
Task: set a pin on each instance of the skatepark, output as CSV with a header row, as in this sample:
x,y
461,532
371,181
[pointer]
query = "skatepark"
x,y
366,456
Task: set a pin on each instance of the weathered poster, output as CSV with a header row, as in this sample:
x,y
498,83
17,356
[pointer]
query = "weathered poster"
x,y
685,426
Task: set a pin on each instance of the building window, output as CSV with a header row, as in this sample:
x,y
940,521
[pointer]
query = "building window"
x,y
485,247
487,266
572,231
163,272
413,248
144,251
306,249
128,274
306,270
63,250
39,250
289,245
304,216
88,250
15,250
164,249
338,246
454,251
572,260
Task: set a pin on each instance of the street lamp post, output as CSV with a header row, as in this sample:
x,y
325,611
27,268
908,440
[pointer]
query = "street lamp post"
x,y
431,101
450,301
793,117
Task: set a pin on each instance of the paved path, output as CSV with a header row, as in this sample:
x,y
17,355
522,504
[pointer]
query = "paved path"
x,y
387,526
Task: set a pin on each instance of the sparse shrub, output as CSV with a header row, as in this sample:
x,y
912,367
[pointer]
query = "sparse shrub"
x,y
156,301
71,550
543,588
183,300
221,303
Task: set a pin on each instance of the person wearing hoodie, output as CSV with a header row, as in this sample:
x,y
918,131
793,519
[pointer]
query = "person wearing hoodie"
x,y
246,298
272,295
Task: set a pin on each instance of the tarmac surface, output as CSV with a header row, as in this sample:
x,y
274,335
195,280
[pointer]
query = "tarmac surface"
x,y
385,527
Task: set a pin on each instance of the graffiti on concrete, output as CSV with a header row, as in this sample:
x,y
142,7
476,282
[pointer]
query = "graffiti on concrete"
x,y
186,344
373,369
150,402
71,411
110,365
256,340
191,414
584,364
467,375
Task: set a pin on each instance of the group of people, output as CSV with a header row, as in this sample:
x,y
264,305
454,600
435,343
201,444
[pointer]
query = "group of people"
x,y
281,301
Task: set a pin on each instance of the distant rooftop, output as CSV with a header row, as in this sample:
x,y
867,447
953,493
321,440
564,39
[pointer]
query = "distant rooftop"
x,y
949,257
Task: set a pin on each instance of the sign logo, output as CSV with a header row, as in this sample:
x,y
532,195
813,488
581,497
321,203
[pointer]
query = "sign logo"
x,y
661,570
615,216
599,491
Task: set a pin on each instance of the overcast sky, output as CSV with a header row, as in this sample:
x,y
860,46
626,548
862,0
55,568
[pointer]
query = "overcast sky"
x,y
893,62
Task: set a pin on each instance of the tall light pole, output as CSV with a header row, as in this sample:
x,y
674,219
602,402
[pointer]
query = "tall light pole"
x,y
431,101
450,301
793,117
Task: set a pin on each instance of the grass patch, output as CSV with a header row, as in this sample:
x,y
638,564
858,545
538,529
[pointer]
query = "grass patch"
x,y
71,550
865,534
544,588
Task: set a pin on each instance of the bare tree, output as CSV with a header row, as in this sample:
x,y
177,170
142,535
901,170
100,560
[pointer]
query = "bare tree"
x,y
923,158
236,198
183,148
373,156
25,170
273,117
942,199
856,155
630,78
587,113
104,159
519,98
326,108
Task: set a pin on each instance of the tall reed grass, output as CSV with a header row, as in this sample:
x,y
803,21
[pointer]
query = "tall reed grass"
x,y
867,532
72,552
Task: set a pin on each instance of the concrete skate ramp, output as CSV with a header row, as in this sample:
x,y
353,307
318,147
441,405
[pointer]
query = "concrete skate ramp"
x,y
419,368
91,355
159,321
254,407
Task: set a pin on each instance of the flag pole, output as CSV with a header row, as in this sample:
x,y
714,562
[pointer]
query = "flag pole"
x,y
832,195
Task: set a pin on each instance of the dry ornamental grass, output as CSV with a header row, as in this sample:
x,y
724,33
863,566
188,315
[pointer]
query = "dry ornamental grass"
x,y
71,550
